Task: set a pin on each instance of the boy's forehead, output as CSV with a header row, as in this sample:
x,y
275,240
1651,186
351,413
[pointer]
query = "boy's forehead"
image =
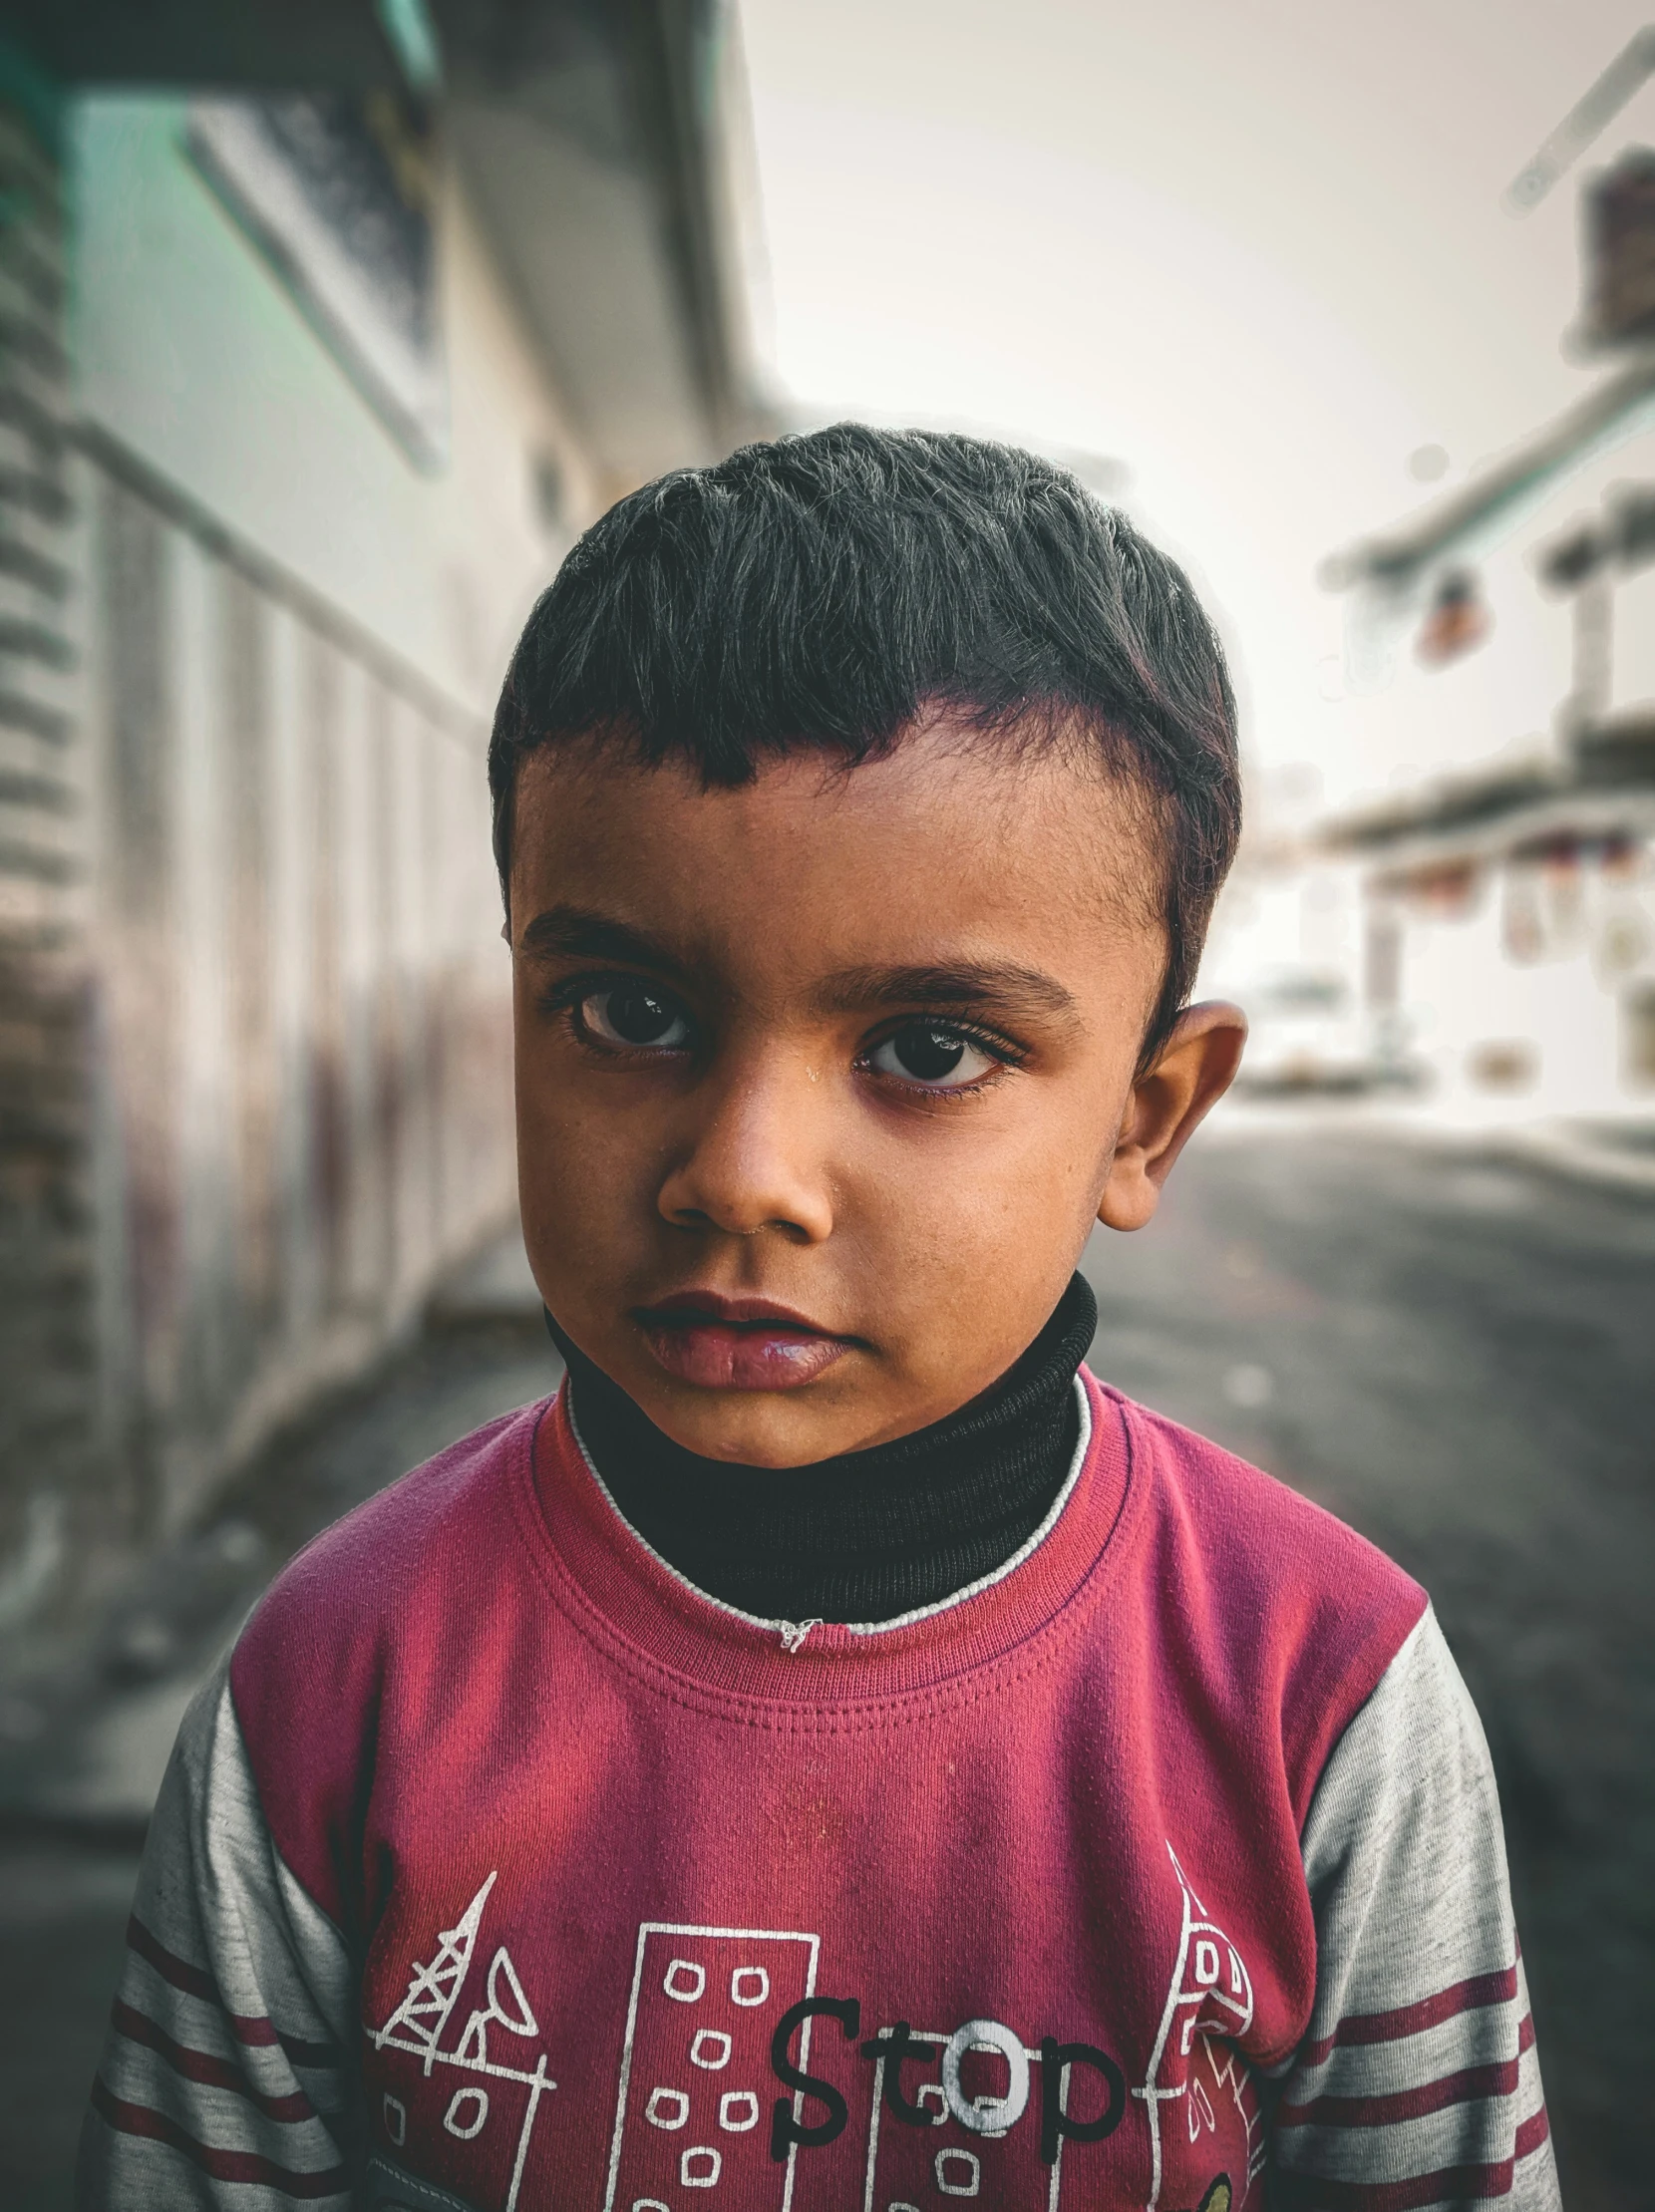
x,y
942,836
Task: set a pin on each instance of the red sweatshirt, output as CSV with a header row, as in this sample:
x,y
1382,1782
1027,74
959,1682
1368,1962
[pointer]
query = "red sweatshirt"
x,y
558,1884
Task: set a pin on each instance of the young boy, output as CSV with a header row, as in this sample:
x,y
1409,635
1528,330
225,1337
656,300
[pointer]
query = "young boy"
x,y
837,1753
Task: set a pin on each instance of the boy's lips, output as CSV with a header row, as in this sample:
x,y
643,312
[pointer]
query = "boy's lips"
x,y
737,1343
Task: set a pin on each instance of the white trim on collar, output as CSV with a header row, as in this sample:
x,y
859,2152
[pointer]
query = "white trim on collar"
x,y
793,1633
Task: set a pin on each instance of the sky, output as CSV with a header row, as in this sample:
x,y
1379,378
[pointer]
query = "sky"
x,y
1255,252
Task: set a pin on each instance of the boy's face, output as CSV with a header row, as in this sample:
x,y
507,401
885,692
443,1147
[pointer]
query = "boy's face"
x,y
823,1081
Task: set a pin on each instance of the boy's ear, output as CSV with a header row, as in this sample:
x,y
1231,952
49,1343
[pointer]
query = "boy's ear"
x,y
1189,1075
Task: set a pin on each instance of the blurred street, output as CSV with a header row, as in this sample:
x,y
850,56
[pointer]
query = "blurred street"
x,y
1447,1346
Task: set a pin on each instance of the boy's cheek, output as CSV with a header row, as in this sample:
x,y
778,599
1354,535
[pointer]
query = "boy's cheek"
x,y
578,1172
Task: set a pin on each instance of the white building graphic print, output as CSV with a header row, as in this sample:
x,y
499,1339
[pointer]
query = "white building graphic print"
x,y
696,2089
420,2022
1210,1994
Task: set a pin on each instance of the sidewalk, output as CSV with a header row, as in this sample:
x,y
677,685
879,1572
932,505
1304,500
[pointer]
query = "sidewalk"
x,y
1601,1150
83,1756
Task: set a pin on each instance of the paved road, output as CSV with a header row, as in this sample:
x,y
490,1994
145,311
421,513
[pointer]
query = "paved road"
x,y
1451,1351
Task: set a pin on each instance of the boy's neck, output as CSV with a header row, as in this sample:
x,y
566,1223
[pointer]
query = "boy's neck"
x,y
866,1537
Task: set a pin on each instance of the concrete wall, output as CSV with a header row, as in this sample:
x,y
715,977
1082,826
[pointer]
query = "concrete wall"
x,y
298,989
254,1054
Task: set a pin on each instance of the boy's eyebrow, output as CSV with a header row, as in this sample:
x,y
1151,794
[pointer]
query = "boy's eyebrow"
x,y
962,983
577,933
580,933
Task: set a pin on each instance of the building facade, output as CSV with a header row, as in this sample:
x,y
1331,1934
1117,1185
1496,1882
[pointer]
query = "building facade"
x,y
1489,921
1508,901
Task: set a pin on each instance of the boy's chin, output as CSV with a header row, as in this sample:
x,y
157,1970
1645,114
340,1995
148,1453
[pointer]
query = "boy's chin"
x,y
761,1429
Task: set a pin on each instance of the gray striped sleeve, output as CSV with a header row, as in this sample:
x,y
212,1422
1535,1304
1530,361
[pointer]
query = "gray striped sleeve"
x,y
1418,2081
226,2077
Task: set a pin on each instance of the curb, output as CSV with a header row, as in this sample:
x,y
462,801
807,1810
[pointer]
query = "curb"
x,y
1564,1147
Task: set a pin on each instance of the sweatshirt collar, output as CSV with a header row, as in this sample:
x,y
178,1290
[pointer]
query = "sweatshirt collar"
x,y
868,1536
656,1623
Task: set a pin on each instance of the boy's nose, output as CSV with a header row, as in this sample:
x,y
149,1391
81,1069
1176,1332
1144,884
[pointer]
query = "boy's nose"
x,y
756,1159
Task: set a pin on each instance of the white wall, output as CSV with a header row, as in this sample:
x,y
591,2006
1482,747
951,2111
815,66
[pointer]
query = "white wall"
x,y
1564,1012
187,349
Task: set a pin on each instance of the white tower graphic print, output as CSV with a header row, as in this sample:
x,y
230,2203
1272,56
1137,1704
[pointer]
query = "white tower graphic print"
x,y
432,1991
420,2022
474,2043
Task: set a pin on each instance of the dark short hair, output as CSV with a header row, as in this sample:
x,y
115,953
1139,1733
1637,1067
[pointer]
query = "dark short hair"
x,y
824,592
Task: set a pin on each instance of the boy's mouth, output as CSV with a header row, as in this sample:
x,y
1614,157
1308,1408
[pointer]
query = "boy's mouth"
x,y
737,1343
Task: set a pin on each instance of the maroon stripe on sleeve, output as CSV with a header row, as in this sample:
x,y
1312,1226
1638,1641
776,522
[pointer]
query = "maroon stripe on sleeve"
x,y
1411,2020
1403,2104
200,2066
194,1981
1533,2134
1310,2192
222,2165
1525,2033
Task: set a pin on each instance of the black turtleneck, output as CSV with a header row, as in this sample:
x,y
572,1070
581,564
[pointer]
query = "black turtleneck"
x,y
870,1535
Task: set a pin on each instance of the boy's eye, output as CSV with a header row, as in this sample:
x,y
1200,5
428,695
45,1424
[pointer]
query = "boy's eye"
x,y
942,1059
634,1014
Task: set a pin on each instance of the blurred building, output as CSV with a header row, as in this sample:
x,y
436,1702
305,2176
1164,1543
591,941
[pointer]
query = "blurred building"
x,y
323,329
1493,924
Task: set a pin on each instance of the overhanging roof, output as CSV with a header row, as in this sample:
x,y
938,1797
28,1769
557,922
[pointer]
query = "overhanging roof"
x,y
594,137
1465,521
245,45
1604,786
